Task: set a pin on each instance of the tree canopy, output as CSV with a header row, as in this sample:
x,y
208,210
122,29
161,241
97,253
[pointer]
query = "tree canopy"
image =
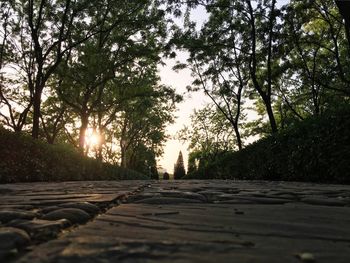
x,y
86,72
284,62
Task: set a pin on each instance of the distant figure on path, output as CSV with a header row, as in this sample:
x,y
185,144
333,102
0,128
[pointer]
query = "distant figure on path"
x,y
165,176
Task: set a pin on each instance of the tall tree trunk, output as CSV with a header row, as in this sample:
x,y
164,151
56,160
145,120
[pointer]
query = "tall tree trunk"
x,y
82,132
99,155
101,130
265,95
122,155
347,33
271,116
123,145
269,70
36,113
238,137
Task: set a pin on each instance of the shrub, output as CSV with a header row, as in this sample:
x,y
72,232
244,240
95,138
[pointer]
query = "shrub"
x,y
314,150
23,159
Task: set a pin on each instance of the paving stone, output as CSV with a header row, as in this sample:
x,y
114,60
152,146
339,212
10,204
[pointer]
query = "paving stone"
x,y
223,197
40,229
285,192
205,233
85,206
323,201
262,200
210,194
12,238
8,215
288,196
73,215
143,196
234,201
16,207
167,200
50,208
183,221
186,195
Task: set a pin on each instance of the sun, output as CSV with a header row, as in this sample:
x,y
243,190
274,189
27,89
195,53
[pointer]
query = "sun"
x,y
92,138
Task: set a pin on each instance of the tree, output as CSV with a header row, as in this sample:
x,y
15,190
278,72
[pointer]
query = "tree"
x,y
192,164
264,53
46,34
179,168
69,33
114,61
218,61
54,117
142,127
15,95
76,66
317,58
210,135
238,48
210,132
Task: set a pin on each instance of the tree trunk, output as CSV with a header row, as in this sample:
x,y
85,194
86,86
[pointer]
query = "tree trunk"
x,y
238,137
271,116
36,113
265,95
347,34
99,154
82,133
122,155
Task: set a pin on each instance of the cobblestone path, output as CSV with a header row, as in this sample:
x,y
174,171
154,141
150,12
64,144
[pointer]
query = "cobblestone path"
x,y
174,221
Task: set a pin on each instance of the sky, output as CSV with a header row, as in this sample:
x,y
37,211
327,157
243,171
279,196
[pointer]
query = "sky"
x,y
179,81
191,101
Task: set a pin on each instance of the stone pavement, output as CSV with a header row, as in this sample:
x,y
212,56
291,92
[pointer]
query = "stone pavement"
x,y
174,221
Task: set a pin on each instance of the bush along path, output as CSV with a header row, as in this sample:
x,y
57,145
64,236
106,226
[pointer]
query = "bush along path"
x,y
313,150
23,159
176,221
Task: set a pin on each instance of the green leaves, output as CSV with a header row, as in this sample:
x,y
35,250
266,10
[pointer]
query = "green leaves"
x,y
209,133
33,160
316,150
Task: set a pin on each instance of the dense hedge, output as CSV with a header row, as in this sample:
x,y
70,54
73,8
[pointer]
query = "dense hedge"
x,y
23,159
315,150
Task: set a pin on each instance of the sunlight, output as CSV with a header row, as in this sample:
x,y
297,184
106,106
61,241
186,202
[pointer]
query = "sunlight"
x,y
92,137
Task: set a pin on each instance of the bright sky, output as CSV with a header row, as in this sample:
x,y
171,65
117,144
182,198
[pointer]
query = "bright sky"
x,y
191,101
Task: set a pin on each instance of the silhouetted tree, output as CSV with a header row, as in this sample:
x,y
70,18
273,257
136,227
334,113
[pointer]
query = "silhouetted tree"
x,y
209,132
179,168
165,176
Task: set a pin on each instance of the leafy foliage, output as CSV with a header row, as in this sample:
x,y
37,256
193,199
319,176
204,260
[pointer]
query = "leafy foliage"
x,y
33,160
210,132
316,149
68,68
290,61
